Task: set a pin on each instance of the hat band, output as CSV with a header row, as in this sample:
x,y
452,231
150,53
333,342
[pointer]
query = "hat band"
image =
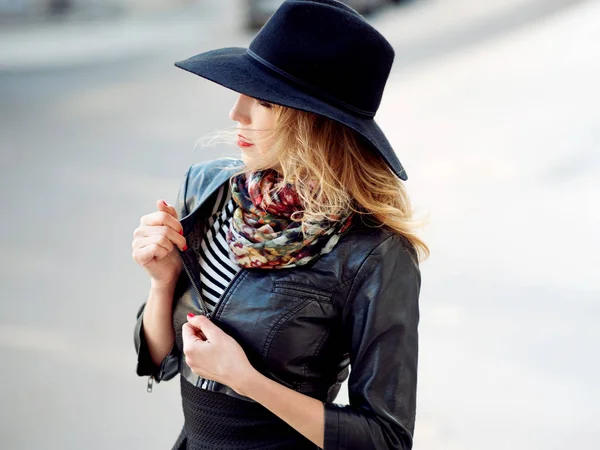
x,y
310,87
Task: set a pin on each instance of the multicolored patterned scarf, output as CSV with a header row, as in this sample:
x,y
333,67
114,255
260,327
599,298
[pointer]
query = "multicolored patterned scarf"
x,y
262,233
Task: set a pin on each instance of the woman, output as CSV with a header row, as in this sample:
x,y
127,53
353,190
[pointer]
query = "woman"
x,y
271,275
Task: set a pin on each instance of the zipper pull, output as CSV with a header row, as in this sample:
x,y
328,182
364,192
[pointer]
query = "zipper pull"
x,y
149,385
208,315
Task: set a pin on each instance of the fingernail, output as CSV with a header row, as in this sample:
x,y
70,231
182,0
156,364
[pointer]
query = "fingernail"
x,y
181,232
190,315
165,203
185,247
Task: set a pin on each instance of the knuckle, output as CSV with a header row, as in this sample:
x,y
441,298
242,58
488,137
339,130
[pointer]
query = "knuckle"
x,y
138,257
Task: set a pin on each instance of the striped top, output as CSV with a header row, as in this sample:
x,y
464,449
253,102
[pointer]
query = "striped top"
x,y
216,268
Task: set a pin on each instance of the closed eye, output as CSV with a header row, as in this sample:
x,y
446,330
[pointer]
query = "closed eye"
x,y
265,104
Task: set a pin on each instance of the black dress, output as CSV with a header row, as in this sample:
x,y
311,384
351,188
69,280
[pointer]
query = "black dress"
x,y
216,421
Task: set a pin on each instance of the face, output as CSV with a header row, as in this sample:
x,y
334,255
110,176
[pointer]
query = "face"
x,y
255,120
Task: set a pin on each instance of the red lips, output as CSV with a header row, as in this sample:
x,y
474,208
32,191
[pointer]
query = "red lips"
x,y
242,142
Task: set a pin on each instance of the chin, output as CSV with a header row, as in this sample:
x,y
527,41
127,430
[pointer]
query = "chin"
x,y
253,160
247,159
250,161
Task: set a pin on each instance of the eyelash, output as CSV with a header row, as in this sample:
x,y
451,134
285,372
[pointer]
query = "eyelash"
x,y
265,104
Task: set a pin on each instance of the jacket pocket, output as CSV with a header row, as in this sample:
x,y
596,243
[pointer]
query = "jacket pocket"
x,y
297,336
301,291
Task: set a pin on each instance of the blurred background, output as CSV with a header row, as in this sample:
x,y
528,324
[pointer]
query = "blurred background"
x,y
493,109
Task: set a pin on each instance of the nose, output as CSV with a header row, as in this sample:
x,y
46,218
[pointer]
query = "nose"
x,y
240,112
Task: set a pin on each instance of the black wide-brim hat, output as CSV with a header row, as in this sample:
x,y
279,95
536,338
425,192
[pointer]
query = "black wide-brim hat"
x,y
318,56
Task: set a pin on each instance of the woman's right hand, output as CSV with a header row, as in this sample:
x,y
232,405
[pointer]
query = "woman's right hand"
x,y
154,243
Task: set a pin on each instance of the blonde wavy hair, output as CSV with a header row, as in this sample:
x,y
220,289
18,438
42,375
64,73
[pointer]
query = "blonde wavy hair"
x,y
334,171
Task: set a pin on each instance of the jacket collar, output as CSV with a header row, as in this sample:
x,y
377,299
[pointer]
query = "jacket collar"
x,y
203,182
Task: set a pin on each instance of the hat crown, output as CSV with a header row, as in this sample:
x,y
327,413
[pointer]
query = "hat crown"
x,y
329,49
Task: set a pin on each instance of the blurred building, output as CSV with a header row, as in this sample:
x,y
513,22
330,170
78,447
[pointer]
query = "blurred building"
x,y
32,10
259,11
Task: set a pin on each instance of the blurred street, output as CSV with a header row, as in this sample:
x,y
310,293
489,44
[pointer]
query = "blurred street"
x,y
492,107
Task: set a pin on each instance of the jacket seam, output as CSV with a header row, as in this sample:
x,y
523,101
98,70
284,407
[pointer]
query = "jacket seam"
x,y
316,352
341,284
278,325
232,287
360,268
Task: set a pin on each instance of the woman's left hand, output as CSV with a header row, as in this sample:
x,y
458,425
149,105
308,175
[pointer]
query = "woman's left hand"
x,y
213,354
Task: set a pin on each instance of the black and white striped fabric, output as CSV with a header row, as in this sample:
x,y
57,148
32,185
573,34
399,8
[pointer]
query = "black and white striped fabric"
x,y
216,268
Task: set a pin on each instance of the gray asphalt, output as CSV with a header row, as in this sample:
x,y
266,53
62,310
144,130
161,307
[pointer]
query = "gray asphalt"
x,y
87,149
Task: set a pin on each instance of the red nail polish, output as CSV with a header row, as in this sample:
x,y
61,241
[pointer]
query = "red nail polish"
x,y
181,232
185,247
190,315
165,203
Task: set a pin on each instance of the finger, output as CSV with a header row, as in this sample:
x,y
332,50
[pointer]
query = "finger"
x,y
146,255
165,232
197,330
161,205
158,218
158,239
204,324
188,334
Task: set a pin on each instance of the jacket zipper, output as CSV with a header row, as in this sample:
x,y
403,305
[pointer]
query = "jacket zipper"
x,y
204,384
204,306
196,288
149,385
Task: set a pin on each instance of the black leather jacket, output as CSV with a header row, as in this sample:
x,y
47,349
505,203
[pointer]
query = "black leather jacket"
x,y
303,326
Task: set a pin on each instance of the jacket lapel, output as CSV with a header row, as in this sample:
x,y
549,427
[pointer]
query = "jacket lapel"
x,y
205,191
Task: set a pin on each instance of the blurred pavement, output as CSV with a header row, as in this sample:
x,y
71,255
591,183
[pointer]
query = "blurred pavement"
x,y
497,127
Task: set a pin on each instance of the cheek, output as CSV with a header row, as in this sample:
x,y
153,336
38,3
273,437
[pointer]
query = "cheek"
x,y
267,119
261,149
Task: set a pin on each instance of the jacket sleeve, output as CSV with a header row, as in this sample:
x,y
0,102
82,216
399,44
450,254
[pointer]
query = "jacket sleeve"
x,y
380,321
170,365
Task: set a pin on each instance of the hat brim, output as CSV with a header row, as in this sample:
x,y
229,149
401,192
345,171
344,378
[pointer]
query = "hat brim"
x,y
234,69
